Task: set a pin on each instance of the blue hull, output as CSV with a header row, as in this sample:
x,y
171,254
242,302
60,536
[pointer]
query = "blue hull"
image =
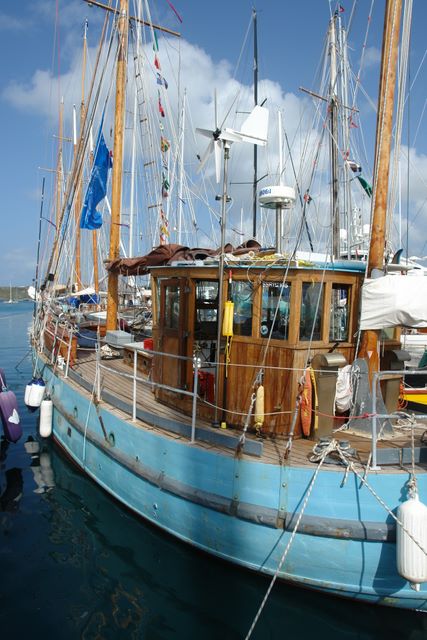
x,y
241,510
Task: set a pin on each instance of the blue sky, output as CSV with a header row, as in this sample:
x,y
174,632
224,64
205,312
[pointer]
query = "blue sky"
x,y
290,39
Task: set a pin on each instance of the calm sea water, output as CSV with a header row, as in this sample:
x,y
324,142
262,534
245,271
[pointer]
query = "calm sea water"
x,y
75,564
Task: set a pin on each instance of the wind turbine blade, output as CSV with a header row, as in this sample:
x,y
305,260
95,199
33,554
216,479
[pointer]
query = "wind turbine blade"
x,y
256,125
231,135
216,109
206,155
205,132
218,153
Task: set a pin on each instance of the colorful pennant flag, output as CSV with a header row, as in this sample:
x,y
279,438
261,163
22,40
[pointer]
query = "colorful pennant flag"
x,y
164,144
161,80
366,186
161,110
165,186
354,166
164,231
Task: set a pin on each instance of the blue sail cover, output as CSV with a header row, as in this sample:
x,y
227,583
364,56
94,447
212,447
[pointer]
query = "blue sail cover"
x,y
97,187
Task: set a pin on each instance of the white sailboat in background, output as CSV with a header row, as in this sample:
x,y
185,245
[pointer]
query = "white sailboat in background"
x,y
11,300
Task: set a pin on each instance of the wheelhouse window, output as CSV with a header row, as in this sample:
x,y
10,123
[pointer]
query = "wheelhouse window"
x,y
338,322
206,315
172,306
242,296
275,307
311,311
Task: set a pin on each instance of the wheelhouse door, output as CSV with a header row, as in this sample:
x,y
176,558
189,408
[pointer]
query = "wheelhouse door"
x,y
173,336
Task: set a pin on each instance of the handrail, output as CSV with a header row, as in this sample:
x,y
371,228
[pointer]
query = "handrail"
x,y
375,416
135,378
198,364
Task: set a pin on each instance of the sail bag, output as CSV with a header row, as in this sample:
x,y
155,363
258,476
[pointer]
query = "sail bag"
x,y
394,301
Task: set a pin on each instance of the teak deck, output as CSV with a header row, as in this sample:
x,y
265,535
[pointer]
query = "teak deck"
x,y
117,381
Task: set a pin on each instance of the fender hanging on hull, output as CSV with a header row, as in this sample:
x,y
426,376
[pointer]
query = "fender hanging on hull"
x,y
10,416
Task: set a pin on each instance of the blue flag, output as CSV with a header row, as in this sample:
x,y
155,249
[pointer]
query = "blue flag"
x,y
97,187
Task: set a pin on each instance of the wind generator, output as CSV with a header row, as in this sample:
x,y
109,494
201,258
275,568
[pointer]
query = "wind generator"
x,y
254,130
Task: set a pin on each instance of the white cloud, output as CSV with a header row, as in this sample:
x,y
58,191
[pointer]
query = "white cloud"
x,y
10,23
200,76
372,57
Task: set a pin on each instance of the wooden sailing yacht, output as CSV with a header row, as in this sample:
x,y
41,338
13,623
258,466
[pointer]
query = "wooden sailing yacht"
x,y
255,342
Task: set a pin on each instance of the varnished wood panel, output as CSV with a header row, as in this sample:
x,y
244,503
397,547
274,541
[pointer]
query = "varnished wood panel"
x,y
273,448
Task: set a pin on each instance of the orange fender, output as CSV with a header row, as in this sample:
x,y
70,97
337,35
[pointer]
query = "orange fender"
x,y
306,402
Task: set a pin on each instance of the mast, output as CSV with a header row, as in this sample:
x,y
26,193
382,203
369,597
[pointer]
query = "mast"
x,y
94,231
59,179
116,197
255,182
78,200
133,157
369,346
77,209
226,148
333,108
345,134
181,167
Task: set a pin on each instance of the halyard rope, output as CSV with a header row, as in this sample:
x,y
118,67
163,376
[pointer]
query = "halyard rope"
x,y
326,451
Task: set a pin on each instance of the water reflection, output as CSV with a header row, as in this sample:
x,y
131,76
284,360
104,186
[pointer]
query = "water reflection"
x,y
40,466
74,564
11,483
75,560
129,580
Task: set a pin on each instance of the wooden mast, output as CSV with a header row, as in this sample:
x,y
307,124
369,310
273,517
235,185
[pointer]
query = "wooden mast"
x,y
95,248
333,107
59,180
78,198
370,338
116,196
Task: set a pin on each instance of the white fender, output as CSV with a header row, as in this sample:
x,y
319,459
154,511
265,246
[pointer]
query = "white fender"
x,y
27,392
411,560
45,424
36,393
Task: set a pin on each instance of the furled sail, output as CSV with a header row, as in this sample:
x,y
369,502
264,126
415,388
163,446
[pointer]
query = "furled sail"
x,y
393,301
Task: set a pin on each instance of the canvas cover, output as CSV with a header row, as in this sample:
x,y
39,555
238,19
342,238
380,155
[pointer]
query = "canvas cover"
x,y
393,301
167,253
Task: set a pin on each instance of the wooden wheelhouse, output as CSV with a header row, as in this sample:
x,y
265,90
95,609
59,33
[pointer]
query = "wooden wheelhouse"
x,y
281,318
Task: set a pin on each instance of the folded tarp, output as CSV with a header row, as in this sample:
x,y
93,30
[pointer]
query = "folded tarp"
x,y
393,301
167,253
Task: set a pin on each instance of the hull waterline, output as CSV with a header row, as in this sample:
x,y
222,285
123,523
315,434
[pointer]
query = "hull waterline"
x,y
241,511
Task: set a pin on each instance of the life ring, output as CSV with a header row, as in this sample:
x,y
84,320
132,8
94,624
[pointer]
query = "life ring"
x,y
306,402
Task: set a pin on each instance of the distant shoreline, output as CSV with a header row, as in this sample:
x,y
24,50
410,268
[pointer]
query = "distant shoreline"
x,y
18,293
